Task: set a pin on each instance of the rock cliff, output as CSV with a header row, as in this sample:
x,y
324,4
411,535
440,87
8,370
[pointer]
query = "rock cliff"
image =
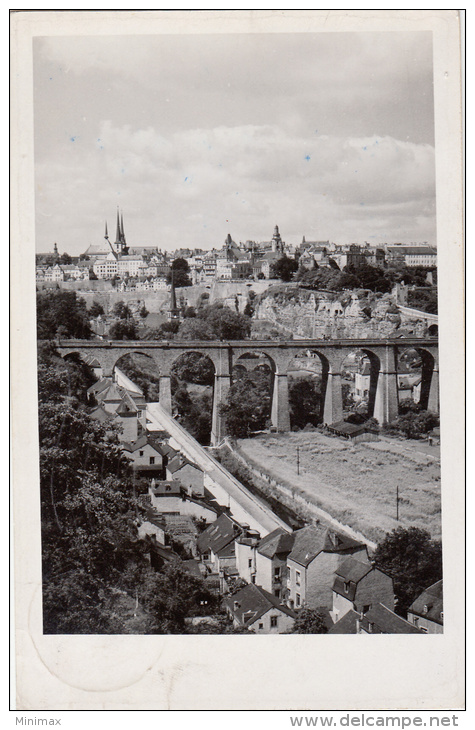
x,y
326,315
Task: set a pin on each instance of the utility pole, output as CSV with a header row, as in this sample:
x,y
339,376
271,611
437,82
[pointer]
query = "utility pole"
x,y
298,461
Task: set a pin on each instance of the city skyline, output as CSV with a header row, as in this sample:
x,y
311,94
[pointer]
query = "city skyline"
x,y
328,135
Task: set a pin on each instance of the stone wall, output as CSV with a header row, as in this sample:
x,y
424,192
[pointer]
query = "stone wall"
x,y
326,315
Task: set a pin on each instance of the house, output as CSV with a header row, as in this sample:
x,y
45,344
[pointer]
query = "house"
x,y
358,586
146,457
427,611
188,474
271,561
259,611
378,620
216,544
412,255
169,497
246,548
316,554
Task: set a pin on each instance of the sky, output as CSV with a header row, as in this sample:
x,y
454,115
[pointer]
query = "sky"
x,y
328,135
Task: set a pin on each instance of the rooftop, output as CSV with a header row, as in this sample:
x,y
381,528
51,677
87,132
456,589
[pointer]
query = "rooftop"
x,y
252,602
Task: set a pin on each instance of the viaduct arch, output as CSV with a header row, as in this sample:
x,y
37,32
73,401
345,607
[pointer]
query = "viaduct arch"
x,y
383,355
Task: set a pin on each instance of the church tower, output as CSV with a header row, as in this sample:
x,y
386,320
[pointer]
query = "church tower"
x,y
277,245
120,243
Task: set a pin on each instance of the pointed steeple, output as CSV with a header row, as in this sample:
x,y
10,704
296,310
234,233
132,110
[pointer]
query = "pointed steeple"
x,y
122,234
117,233
106,235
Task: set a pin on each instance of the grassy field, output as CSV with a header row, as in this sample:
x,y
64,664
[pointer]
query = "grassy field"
x,y
356,484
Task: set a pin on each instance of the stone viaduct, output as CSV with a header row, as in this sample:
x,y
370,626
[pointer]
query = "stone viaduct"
x,y
383,356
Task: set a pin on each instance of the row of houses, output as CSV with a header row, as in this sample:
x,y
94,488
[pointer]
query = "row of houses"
x,y
265,580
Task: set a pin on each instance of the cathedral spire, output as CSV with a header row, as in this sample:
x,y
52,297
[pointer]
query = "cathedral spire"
x,y
106,235
117,233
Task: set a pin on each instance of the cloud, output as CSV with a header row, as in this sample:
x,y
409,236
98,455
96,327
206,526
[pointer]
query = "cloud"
x,y
187,187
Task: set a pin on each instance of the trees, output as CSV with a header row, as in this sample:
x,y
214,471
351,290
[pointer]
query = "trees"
x,y
225,324
309,621
193,367
121,310
178,275
284,268
96,309
413,423
123,330
215,322
94,566
63,311
248,404
413,560
304,401
65,258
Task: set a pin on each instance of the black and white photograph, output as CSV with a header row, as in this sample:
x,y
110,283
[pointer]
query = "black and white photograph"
x,y
238,240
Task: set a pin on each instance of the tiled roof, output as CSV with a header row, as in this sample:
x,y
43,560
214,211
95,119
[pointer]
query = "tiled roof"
x,y
100,385
430,604
142,441
412,250
252,602
312,540
277,542
354,570
385,621
218,535
308,543
348,575
101,414
346,625
178,462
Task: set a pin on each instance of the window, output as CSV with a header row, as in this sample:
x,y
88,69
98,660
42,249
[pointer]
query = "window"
x,y
261,626
347,587
276,573
249,563
366,607
152,460
297,577
297,599
253,578
277,593
273,622
140,453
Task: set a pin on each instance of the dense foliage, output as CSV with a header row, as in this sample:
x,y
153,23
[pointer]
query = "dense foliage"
x,y
305,401
215,322
284,269
178,275
413,421
61,314
94,566
248,404
413,560
309,621
123,329
375,278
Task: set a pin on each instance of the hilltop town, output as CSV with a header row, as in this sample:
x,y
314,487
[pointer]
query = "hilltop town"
x,y
224,434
